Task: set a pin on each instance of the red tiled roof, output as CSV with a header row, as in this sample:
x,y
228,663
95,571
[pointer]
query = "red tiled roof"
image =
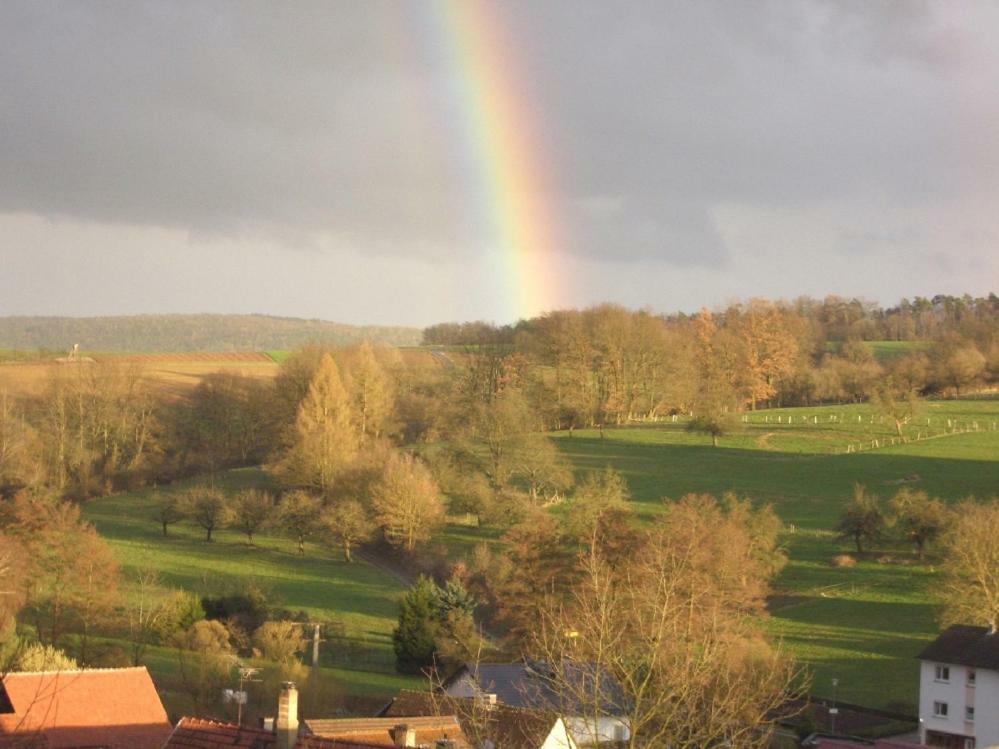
x,y
195,733
115,708
379,731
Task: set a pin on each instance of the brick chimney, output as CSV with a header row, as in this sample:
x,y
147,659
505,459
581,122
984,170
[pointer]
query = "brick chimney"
x,y
286,724
403,735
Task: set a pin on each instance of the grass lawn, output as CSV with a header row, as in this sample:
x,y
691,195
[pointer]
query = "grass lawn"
x,y
363,599
863,625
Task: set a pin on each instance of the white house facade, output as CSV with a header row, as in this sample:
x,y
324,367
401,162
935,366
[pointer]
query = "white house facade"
x,y
959,689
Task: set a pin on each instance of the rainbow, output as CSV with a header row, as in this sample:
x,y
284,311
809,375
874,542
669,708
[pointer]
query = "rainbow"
x,y
503,151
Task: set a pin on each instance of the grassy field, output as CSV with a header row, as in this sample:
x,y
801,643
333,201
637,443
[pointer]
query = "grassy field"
x,y
862,625
363,599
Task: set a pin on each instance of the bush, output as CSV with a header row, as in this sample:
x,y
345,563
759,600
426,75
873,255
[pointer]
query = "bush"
x,y
844,560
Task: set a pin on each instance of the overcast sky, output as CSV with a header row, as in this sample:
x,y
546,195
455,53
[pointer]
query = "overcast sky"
x,y
305,159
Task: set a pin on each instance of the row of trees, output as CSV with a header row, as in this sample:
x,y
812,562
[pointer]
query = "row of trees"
x,y
96,427
966,534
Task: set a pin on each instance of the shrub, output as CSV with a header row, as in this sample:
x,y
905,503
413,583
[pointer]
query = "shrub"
x,y
844,560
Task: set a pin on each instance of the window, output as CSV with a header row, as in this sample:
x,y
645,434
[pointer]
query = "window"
x,y
971,677
942,673
969,744
940,709
969,713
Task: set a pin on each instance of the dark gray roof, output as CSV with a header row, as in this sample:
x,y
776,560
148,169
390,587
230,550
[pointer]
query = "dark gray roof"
x,y
531,684
963,645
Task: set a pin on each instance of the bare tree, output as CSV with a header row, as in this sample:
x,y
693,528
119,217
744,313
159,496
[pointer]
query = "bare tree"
x,y
663,648
208,507
970,550
168,510
407,502
253,511
348,523
299,513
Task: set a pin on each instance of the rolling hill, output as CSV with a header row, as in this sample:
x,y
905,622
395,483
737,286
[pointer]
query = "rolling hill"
x,y
203,332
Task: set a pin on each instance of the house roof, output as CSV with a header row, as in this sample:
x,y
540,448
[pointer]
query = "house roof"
x,y
428,728
116,708
196,733
964,645
509,727
532,684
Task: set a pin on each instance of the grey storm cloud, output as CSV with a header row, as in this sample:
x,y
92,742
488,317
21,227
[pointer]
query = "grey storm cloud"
x,y
294,118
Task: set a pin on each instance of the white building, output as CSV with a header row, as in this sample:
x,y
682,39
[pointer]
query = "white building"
x,y
959,689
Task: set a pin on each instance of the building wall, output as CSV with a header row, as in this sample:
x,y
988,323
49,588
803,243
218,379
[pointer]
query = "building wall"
x,y
559,738
986,708
983,696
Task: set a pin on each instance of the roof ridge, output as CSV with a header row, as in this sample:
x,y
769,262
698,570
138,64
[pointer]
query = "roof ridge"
x,y
76,671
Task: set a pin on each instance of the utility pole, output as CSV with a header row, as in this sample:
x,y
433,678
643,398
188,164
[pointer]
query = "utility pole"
x,y
315,644
833,711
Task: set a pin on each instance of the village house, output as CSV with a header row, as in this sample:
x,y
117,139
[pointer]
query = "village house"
x,y
285,731
959,689
115,708
487,724
532,685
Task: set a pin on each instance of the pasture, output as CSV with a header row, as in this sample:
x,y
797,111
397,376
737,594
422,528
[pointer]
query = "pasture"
x,y
360,600
862,625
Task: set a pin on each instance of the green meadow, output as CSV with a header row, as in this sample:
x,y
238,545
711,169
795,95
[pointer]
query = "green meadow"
x,y
861,625
361,600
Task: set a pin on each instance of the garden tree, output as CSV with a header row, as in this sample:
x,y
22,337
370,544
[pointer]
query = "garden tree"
x,y
458,474
253,510
538,566
970,550
39,657
458,638
324,438
918,518
665,642
64,559
168,509
205,657
210,508
893,399
95,598
414,638
535,461
299,516
862,519
13,562
371,391
600,496
486,576
406,502
19,448
281,641
154,614
349,524
499,425
763,528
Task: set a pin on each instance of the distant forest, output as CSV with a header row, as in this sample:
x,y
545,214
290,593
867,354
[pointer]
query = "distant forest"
x,y
174,333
